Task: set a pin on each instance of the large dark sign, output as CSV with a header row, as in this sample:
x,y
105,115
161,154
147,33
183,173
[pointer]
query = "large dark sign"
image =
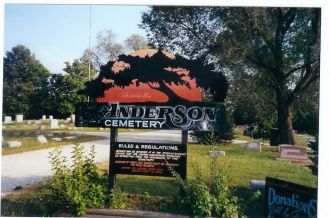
x,y
183,116
148,159
285,199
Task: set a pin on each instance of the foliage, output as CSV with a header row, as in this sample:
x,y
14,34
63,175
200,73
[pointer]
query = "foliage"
x,y
142,70
281,45
206,196
118,199
136,42
63,89
79,186
24,78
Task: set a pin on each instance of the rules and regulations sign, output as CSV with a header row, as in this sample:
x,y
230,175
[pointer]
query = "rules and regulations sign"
x,y
183,116
148,159
286,199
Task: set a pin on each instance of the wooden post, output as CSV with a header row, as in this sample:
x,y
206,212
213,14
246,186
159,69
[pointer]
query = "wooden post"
x,y
112,176
184,141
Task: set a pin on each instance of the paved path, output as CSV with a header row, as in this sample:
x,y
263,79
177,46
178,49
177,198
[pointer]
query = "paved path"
x,y
31,167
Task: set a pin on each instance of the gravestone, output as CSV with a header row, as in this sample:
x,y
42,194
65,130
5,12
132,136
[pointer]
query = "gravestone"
x,y
50,134
50,117
13,144
19,117
7,120
294,154
283,145
42,139
53,123
257,184
72,118
29,122
43,117
217,153
253,146
70,137
57,139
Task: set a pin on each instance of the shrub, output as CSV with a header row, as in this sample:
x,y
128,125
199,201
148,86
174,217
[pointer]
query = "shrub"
x,y
118,199
77,187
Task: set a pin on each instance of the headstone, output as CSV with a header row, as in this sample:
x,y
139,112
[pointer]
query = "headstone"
x,y
43,117
50,117
50,134
257,184
7,120
294,154
19,118
53,123
253,146
70,137
41,139
29,122
72,118
13,144
283,145
217,153
57,139
62,126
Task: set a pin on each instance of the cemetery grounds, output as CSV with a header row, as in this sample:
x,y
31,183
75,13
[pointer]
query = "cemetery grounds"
x,y
159,193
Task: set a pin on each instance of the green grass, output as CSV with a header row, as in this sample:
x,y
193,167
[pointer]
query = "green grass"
x,y
29,140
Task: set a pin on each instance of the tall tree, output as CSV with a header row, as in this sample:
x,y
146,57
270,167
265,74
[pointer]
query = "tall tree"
x,y
24,78
280,43
136,42
63,89
106,48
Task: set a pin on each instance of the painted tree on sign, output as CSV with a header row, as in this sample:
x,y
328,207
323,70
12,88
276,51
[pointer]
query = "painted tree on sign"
x,y
158,72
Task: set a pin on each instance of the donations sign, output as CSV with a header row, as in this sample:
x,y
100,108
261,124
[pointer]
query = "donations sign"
x,y
153,159
183,116
285,199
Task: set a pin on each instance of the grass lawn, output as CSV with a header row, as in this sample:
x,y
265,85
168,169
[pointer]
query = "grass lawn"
x,y
158,193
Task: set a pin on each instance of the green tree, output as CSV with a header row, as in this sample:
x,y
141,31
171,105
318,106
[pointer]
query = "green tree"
x,y
63,88
281,44
24,80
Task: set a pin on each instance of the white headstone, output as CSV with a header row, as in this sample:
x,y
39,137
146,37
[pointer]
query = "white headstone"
x,y
53,123
217,153
13,144
19,118
70,137
57,139
257,184
50,117
254,146
43,117
72,118
7,120
41,139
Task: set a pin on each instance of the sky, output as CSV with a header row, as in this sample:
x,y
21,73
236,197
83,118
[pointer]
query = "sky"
x,y
59,33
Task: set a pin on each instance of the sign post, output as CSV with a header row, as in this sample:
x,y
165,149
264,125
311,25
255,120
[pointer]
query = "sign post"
x,y
113,140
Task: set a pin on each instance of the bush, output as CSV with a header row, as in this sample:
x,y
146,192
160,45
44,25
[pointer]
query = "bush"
x,y
205,196
118,199
80,186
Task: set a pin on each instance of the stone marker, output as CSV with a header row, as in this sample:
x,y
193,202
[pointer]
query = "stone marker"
x,y
43,117
7,119
72,118
217,153
19,117
13,144
50,117
53,123
29,122
41,139
283,145
70,137
50,134
257,184
294,154
253,146
57,139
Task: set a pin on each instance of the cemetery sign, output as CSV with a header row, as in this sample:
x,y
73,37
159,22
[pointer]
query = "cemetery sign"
x,y
183,116
286,199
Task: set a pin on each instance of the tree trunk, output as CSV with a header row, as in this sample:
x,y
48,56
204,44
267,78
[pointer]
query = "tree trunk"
x,y
284,122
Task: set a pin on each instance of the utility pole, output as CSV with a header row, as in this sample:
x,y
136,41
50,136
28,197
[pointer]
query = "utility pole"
x,y
89,45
